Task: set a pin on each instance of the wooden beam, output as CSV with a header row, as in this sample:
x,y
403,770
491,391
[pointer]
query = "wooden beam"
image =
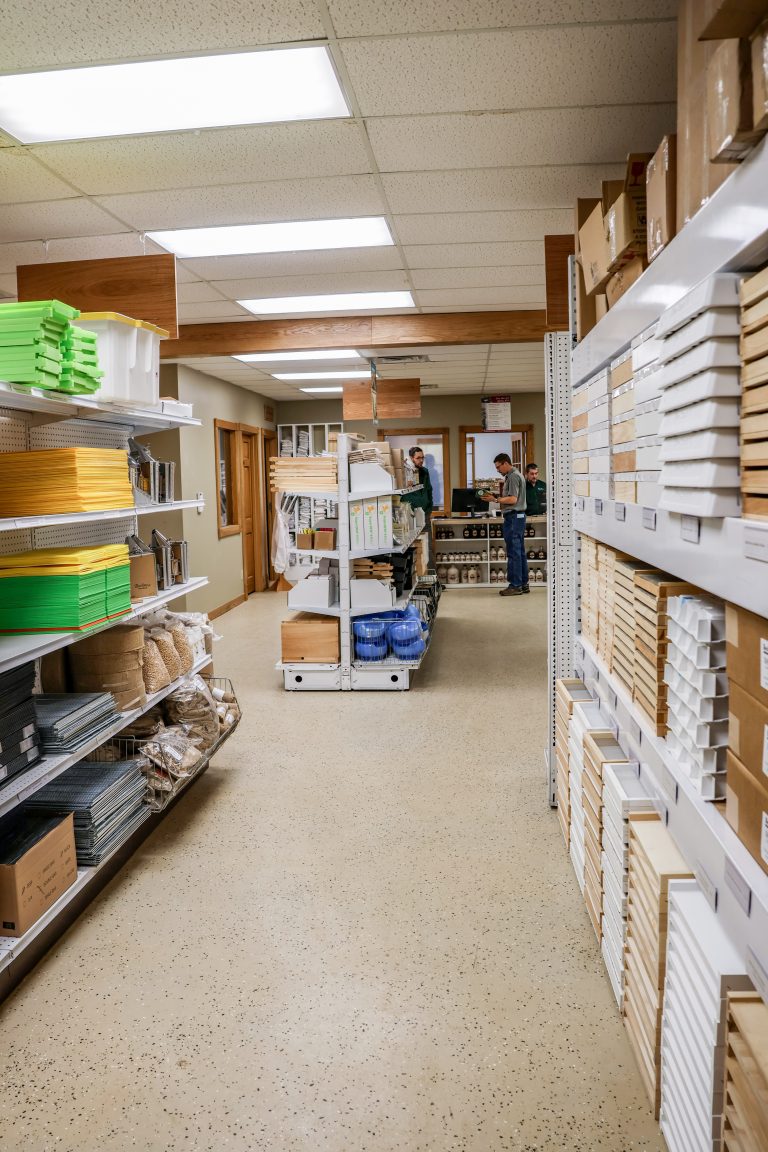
x,y
557,249
357,400
398,399
143,287
355,332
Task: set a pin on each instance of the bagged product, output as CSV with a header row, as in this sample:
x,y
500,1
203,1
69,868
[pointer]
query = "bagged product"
x,y
167,648
155,672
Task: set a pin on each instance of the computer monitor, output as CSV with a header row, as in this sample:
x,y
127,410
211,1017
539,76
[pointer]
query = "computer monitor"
x,y
465,500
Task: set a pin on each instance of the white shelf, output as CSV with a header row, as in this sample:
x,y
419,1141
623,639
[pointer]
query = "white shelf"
x,y
332,610
18,648
13,524
712,849
334,495
725,562
23,785
394,549
63,407
391,492
332,553
730,233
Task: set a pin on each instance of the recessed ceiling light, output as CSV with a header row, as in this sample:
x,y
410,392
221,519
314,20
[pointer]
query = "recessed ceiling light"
x,y
284,357
360,375
321,389
290,236
172,95
336,302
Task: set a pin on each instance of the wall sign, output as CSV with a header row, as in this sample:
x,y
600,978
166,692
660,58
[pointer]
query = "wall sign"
x,y
497,413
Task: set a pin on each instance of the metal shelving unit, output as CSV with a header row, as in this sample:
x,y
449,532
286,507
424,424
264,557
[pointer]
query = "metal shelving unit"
x,y
21,523
486,541
39,404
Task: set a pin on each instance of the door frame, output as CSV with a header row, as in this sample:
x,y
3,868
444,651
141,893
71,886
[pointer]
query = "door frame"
x,y
415,433
268,434
471,429
257,502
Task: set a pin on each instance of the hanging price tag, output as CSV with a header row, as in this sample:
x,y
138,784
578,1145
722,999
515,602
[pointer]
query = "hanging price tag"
x,y
690,529
649,519
598,507
621,511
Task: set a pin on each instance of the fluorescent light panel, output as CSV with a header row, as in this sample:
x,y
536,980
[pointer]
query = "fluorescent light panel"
x,y
290,236
361,375
172,95
321,389
285,357
337,302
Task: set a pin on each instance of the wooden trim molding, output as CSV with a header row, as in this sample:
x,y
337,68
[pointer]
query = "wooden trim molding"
x,y
416,433
473,429
233,528
230,604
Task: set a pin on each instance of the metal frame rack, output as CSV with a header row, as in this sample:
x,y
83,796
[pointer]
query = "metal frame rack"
x,y
724,557
458,543
317,508
349,674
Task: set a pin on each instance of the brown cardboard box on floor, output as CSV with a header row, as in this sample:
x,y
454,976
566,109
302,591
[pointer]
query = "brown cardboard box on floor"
x,y
748,731
759,51
746,809
31,884
661,191
729,102
310,638
747,651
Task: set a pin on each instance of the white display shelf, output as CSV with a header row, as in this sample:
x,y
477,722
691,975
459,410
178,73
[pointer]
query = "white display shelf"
x,y
61,407
730,233
26,783
333,495
732,880
729,560
375,493
18,648
332,553
13,524
331,610
487,584
395,549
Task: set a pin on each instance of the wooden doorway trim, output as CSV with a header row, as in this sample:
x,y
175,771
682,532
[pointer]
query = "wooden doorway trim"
x,y
415,433
253,432
269,447
472,429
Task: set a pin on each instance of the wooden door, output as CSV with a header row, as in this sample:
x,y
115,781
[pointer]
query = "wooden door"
x,y
270,449
248,464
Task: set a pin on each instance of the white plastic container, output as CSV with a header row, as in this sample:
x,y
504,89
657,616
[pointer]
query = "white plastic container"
x,y
716,324
701,474
692,502
718,291
129,356
701,446
707,415
710,354
718,384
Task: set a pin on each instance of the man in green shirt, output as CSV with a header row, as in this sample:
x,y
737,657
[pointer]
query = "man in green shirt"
x,y
535,491
423,497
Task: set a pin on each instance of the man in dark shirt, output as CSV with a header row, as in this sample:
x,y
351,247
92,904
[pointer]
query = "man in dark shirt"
x,y
535,491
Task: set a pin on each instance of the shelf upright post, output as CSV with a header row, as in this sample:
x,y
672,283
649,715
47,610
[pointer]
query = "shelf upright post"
x,y
345,619
561,590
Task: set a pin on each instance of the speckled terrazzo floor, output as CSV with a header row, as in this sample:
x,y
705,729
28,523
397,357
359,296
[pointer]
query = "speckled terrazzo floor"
x,y
359,932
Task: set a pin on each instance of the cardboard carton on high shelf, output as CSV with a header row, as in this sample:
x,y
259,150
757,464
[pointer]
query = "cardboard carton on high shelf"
x,y
759,50
622,280
121,638
661,195
748,731
36,874
746,657
601,306
593,241
746,809
731,19
311,639
585,304
626,224
729,102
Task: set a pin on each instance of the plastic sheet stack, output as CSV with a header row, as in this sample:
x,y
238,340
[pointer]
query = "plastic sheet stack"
x,y
652,591
19,737
63,589
585,718
697,691
80,372
107,800
67,721
623,639
31,336
60,480
600,749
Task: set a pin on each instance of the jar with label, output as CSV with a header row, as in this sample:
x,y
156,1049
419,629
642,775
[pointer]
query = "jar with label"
x,y
465,533
541,554
453,574
472,577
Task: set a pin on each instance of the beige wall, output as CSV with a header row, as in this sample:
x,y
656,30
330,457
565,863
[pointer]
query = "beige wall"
x,y
220,560
436,412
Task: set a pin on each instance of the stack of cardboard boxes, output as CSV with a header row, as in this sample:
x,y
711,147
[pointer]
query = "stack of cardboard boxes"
x,y
746,807
753,297
745,1119
599,750
568,693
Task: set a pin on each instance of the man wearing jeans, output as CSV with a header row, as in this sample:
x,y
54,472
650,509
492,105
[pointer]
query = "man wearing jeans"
x,y
512,501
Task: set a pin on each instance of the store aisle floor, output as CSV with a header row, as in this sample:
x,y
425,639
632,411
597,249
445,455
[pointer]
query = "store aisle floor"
x,y
359,931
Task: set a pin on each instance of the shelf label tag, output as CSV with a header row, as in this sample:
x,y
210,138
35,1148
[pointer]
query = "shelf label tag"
x,y
706,885
649,519
621,511
690,529
580,503
635,731
756,544
668,783
738,886
757,974
598,507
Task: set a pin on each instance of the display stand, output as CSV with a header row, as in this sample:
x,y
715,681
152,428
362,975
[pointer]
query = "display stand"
x,y
473,554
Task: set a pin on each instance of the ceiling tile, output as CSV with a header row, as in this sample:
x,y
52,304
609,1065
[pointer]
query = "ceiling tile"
x,y
249,203
498,71
70,33
196,293
313,285
226,155
184,276
532,295
8,287
211,310
361,18
495,189
473,255
297,263
23,179
477,277
494,140
445,227
55,218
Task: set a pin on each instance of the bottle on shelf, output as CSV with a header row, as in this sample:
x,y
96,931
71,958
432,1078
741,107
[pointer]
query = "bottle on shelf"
x,y
465,533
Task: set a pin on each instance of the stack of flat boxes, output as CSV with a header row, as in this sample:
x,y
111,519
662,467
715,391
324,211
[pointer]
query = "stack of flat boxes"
x,y
623,649
652,589
653,862
635,421
623,431
753,296
606,564
700,401
589,590
567,693
697,691
702,968
623,795
580,440
585,718
745,1127
746,805
599,435
599,750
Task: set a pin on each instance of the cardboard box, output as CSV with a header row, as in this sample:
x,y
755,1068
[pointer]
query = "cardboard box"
x,y
759,53
729,102
585,304
314,591
325,539
747,651
384,514
661,196
601,307
624,279
92,666
371,594
307,638
626,225
593,245
53,671
35,881
746,809
305,541
748,731
730,19
143,576
121,638
370,523
356,530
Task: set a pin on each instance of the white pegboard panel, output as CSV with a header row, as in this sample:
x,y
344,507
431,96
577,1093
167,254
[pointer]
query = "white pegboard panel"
x,y
84,535
13,431
79,433
19,541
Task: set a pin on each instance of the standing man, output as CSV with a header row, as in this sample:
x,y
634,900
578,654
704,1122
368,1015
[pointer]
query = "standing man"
x,y
423,497
512,501
535,491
